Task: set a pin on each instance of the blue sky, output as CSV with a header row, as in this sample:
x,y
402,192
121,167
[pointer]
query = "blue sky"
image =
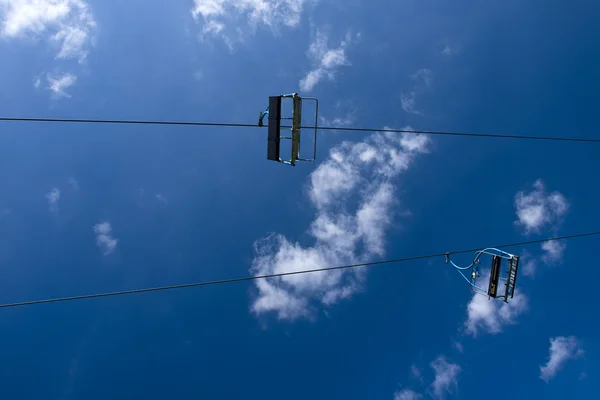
x,y
94,208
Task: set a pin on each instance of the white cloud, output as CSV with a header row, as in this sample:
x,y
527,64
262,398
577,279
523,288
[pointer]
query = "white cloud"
x,y
66,22
553,251
337,122
217,15
326,61
345,112
58,84
343,232
527,264
491,315
425,75
562,349
53,196
407,394
409,100
446,375
537,209
104,238
409,103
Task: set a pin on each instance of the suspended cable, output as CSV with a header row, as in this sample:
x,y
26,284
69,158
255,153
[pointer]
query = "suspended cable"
x,y
125,121
252,278
322,128
446,133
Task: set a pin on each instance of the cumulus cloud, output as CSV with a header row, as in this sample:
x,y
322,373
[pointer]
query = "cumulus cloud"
x,y
53,196
343,231
491,315
562,349
326,61
446,375
538,209
57,84
217,15
104,238
407,394
69,23
445,380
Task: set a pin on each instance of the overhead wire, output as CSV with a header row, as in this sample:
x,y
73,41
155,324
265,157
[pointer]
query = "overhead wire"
x,y
322,128
266,276
255,277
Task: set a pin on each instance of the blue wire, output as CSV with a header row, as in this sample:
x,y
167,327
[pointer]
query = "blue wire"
x,y
473,266
461,268
471,283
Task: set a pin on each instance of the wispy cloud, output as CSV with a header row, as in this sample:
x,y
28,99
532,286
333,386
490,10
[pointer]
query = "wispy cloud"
x,y
562,349
490,315
538,209
216,16
553,251
459,347
345,112
337,122
198,75
425,75
528,264
415,372
343,231
53,196
447,51
66,22
58,84
74,184
161,199
446,376
37,81
407,394
325,60
423,79
409,103
104,238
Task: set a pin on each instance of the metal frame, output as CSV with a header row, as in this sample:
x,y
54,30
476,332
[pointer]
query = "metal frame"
x,y
275,127
495,273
